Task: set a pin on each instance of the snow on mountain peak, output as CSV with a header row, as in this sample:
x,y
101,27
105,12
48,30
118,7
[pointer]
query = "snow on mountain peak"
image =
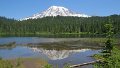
x,y
55,11
57,7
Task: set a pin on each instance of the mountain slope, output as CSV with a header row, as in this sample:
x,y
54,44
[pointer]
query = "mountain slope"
x,y
55,11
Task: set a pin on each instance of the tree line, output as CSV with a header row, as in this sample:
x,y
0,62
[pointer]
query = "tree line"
x,y
59,25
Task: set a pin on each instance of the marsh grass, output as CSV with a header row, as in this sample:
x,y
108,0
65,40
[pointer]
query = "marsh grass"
x,y
23,63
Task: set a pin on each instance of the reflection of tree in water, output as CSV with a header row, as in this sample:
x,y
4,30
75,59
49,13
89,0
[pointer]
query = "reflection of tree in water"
x,y
66,45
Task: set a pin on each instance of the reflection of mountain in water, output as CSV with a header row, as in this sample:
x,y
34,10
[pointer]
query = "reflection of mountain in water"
x,y
57,54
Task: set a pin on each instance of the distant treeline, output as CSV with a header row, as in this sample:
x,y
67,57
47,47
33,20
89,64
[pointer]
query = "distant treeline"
x,y
60,25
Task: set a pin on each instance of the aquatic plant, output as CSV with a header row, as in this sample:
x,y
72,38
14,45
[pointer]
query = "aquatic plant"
x,y
48,66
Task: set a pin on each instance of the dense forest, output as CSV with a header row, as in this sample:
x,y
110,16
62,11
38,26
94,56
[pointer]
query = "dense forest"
x,y
60,25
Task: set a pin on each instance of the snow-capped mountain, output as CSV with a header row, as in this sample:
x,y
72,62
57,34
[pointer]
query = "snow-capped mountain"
x,y
55,11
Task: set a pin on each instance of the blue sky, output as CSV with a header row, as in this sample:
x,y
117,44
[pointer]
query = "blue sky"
x,y
22,8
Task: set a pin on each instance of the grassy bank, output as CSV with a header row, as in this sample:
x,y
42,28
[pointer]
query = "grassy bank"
x,y
49,34
23,63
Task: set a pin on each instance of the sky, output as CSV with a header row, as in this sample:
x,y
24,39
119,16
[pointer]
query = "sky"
x,y
18,9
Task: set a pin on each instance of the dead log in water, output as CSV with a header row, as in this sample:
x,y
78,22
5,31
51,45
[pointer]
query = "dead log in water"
x,y
87,63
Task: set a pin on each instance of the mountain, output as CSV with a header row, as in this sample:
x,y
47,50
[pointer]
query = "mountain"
x,y
55,11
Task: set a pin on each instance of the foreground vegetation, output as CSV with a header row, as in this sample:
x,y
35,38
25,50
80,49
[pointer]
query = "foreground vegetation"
x,y
110,55
26,63
23,63
112,61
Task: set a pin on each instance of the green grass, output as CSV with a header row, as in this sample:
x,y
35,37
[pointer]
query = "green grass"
x,y
99,40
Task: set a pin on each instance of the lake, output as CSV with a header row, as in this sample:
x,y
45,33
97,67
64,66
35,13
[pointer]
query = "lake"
x,y
56,51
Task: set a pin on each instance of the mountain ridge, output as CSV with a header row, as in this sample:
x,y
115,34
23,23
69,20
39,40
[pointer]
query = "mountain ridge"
x,y
55,11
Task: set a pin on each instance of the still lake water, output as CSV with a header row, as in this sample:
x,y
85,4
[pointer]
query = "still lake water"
x,y
57,51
